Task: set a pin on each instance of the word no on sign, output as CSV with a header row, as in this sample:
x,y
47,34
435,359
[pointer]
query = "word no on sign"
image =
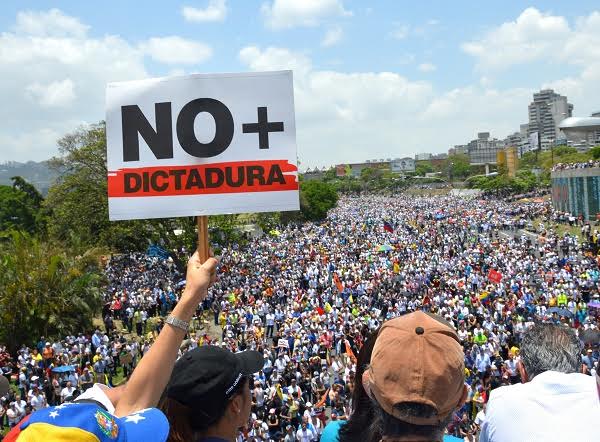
x,y
201,145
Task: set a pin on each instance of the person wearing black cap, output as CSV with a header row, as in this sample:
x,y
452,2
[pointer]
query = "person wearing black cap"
x,y
208,397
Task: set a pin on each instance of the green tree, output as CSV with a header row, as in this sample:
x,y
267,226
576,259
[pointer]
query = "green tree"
x,y
545,159
316,198
35,197
329,174
45,290
20,207
422,168
77,205
595,152
456,166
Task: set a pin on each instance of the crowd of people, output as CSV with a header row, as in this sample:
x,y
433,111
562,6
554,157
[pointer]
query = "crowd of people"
x,y
308,296
570,166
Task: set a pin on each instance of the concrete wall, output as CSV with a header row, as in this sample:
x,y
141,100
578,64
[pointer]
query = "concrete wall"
x,y
577,191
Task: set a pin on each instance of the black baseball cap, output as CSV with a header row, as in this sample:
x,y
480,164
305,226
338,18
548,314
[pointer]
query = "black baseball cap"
x,y
205,378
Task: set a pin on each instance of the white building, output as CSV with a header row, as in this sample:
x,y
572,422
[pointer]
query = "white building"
x,y
546,111
483,150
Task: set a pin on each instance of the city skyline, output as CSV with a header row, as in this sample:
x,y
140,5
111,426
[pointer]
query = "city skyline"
x,y
438,77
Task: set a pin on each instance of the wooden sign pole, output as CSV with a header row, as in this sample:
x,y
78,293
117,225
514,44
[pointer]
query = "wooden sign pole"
x,y
203,248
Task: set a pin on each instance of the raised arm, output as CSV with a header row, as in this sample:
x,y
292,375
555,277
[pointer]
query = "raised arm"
x,y
150,377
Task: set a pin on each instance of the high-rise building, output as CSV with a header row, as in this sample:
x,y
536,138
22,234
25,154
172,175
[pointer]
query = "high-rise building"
x,y
483,150
546,111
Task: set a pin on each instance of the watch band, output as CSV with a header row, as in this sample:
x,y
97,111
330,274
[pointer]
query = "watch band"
x,y
176,322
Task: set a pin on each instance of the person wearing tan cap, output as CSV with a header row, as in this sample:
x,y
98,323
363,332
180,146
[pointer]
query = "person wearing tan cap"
x,y
416,377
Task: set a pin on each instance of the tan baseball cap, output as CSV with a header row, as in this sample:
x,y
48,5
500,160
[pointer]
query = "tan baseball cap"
x,y
417,358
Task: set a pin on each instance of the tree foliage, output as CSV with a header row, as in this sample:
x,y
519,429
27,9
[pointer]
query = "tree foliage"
x,y
316,198
456,166
545,159
525,181
423,167
45,290
77,205
20,206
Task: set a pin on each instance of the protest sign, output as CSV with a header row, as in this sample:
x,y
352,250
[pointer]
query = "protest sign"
x,y
495,276
201,145
283,343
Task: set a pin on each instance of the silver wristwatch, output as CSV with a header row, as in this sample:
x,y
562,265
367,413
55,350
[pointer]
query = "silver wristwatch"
x,y
176,322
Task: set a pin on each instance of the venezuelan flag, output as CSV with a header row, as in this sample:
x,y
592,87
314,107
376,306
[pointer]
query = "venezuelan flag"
x,y
484,297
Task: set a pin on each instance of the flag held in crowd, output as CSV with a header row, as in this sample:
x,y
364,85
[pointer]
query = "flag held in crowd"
x,y
338,283
388,227
495,276
349,352
484,297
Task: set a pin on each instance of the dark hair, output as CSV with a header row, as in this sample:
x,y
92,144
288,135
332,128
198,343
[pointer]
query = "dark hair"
x,y
187,423
547,346
358,428
392,426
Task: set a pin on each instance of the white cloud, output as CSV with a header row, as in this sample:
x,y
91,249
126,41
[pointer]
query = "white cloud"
x,y
427,67
346,116
275,59
176,50
177,72
215,11
49,23
283,14
332,37
54,94
536,36
55,80
583,90
400,31
462,112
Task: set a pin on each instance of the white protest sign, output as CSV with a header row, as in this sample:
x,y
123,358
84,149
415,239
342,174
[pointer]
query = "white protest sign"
x,y
201,145
283,343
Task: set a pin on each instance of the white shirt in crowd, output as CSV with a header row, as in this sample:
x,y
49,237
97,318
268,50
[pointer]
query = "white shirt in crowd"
x,y
38,401
66,392
552,407
305,435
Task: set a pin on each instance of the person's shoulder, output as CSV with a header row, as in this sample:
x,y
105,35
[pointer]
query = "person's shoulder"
x,y
506,393
331,431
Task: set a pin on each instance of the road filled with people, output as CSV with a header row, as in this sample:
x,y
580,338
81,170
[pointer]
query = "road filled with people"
x,y
570,166
307,297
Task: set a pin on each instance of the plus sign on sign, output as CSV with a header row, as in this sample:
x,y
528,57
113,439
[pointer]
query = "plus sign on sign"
x,y
201,145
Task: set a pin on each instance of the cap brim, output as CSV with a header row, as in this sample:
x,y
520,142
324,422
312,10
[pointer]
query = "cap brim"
x,y
250,361
149,425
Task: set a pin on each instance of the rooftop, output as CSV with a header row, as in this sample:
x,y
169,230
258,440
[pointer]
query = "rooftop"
x,y
580,123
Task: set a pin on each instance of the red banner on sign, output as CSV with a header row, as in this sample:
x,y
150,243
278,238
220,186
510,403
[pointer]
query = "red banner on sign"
x,y
232,177
495,276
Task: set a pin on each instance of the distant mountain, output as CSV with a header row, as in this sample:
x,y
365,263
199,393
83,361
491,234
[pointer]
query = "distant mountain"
x,y
38,174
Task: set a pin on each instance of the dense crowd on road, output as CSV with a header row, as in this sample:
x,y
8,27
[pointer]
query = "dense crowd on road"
x,y
307,296
571,166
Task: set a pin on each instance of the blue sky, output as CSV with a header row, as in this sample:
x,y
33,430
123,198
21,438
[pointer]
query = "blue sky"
x,y
372,79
